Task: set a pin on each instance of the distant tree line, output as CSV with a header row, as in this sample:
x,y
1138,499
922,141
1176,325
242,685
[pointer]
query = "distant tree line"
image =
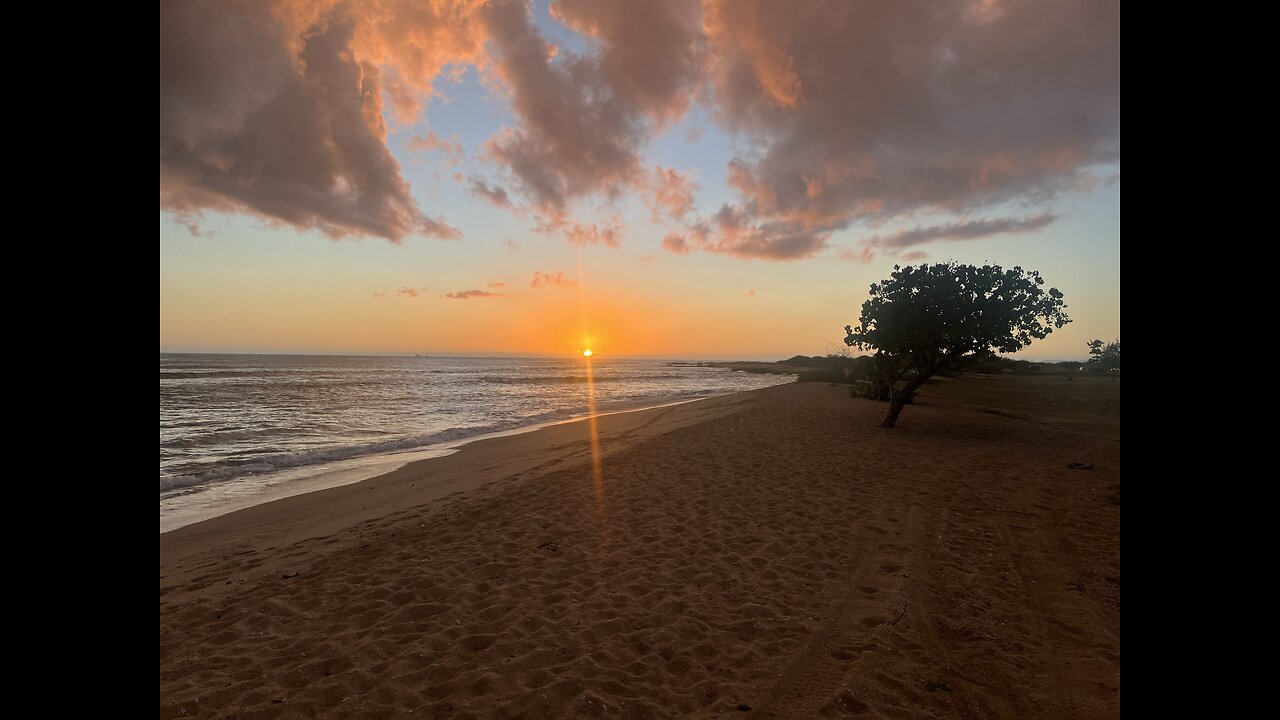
x,y
1104,356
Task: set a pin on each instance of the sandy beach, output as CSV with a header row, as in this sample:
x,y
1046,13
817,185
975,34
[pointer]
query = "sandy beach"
x,y
767,554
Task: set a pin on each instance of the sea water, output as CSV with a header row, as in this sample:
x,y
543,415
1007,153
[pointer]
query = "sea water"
x,y
238,430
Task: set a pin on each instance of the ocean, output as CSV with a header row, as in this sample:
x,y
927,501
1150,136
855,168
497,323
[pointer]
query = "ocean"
x,y
239,430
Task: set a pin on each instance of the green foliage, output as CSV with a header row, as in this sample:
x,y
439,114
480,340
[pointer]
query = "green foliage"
x,y
930,318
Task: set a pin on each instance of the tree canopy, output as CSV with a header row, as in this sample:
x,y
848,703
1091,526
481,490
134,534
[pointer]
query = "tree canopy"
x,y
934,317
1105,355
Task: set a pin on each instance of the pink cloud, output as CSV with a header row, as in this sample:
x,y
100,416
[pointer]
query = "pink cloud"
x,y
965,230
913,255
452,149
510,245
737,232
667,193
407,292
751,293
471,294
493,193
861,114
541,279
276,110
609,234
497,285
674,242
651,55
850,115
575,137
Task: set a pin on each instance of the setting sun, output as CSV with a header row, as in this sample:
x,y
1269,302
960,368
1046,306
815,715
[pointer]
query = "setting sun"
x,y
588,352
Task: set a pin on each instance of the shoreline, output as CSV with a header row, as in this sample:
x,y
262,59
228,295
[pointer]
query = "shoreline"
x,y
569,436
289,482
770,550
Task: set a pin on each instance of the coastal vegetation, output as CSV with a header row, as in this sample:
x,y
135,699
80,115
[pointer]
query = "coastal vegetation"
x,y
937,317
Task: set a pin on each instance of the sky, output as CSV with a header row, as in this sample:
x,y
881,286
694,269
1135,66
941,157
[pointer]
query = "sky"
x,y
713,179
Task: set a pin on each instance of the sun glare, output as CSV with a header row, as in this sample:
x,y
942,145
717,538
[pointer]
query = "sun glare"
x,y
588,352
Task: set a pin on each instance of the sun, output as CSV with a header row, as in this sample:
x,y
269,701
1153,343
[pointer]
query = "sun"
x,y
588,352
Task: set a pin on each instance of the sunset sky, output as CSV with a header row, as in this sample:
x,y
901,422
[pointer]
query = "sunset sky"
x,y
682,179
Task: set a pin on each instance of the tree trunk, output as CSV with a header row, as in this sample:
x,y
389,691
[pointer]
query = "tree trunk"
x,y
895,407
899,398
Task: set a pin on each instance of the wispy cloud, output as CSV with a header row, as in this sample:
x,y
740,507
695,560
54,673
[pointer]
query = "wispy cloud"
x,y
452,149
470,294
608,234
964,230
493,193
861,255
403,291
542,279
667,194
497,284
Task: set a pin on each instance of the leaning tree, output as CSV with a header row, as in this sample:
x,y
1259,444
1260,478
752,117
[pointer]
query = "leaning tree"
x,y
929,318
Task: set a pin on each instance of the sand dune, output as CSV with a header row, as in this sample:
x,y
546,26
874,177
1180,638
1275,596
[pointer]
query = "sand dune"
x,y
766,554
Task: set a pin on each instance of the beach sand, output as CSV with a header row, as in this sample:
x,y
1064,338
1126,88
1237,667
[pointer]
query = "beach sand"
x,y
765,554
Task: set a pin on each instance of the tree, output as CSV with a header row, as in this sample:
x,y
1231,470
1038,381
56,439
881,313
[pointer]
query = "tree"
x,y
1106,356
1095,349
929,318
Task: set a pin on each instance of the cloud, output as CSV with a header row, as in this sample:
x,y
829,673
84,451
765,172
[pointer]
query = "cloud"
x,y
276,109
694,134
469,294
431,141
405,291
668,194
497,285
860,114
913,255
966,230
609,234
751,293
674,242
584,117
651,55
647,258
510,245
574,136
541,279
493,193
844,114
863,255
737,232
